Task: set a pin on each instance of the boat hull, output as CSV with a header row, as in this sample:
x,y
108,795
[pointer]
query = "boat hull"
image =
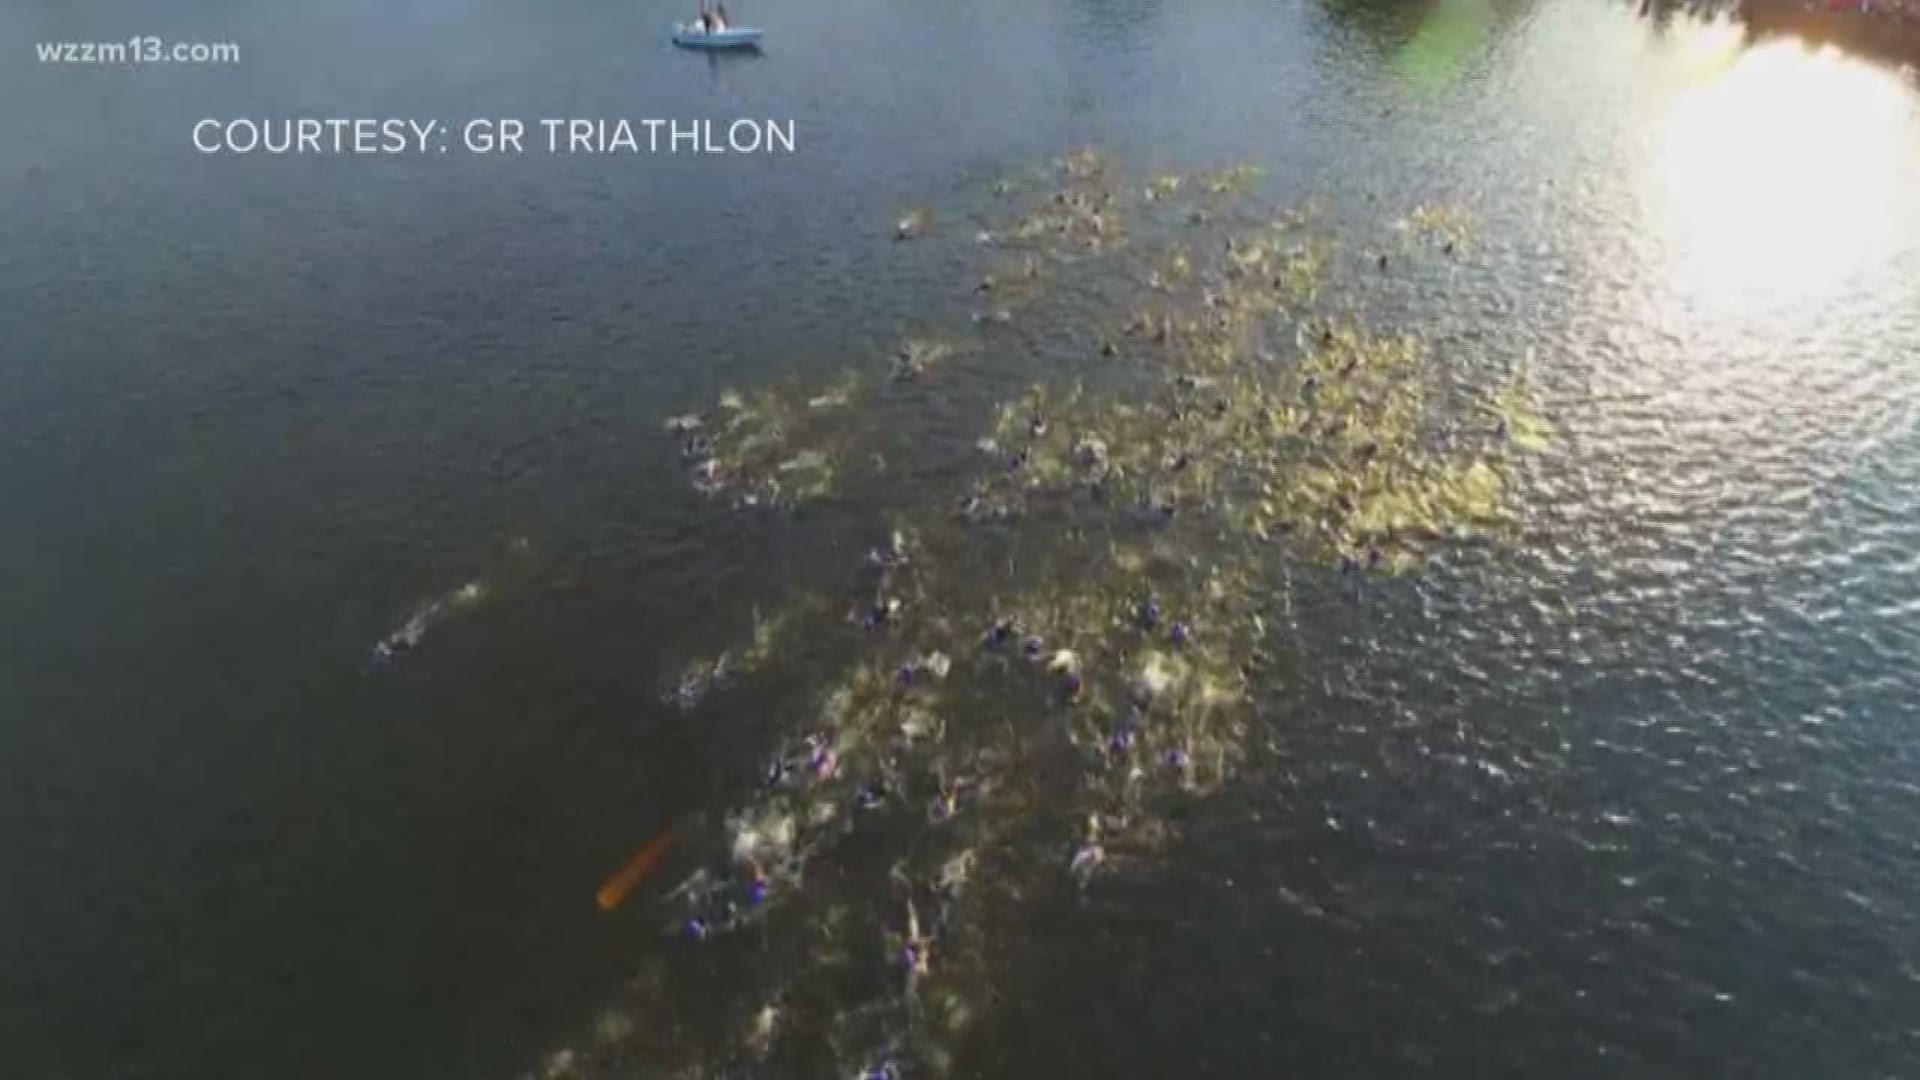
x,y
741,38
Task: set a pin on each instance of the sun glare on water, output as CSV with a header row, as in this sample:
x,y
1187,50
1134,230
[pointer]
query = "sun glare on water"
x,y
1783,172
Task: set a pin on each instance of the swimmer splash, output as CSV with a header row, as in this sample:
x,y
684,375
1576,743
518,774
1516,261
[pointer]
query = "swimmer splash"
x,y
401,643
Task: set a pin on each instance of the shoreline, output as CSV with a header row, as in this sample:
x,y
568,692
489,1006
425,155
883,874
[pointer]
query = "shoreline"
x,y
1886,35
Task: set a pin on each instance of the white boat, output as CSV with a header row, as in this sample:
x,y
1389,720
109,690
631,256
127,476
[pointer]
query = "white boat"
x,y
690,36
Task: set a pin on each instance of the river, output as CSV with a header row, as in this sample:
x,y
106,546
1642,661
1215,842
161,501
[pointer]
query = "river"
x,y
1629,787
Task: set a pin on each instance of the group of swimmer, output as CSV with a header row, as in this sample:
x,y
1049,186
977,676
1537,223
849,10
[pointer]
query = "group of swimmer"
x,y
712,21
1159,652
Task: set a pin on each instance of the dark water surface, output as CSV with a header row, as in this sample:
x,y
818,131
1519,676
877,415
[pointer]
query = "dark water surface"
x,y
1638,794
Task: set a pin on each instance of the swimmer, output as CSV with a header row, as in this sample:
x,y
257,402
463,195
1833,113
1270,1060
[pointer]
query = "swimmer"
x,y
917,956
706,475
687,695
1149,614
1086,858
894,554
916,960
1072,686
947,804
774,774
882,613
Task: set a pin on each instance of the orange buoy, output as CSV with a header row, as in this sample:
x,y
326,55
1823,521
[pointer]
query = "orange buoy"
x,y
644,862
